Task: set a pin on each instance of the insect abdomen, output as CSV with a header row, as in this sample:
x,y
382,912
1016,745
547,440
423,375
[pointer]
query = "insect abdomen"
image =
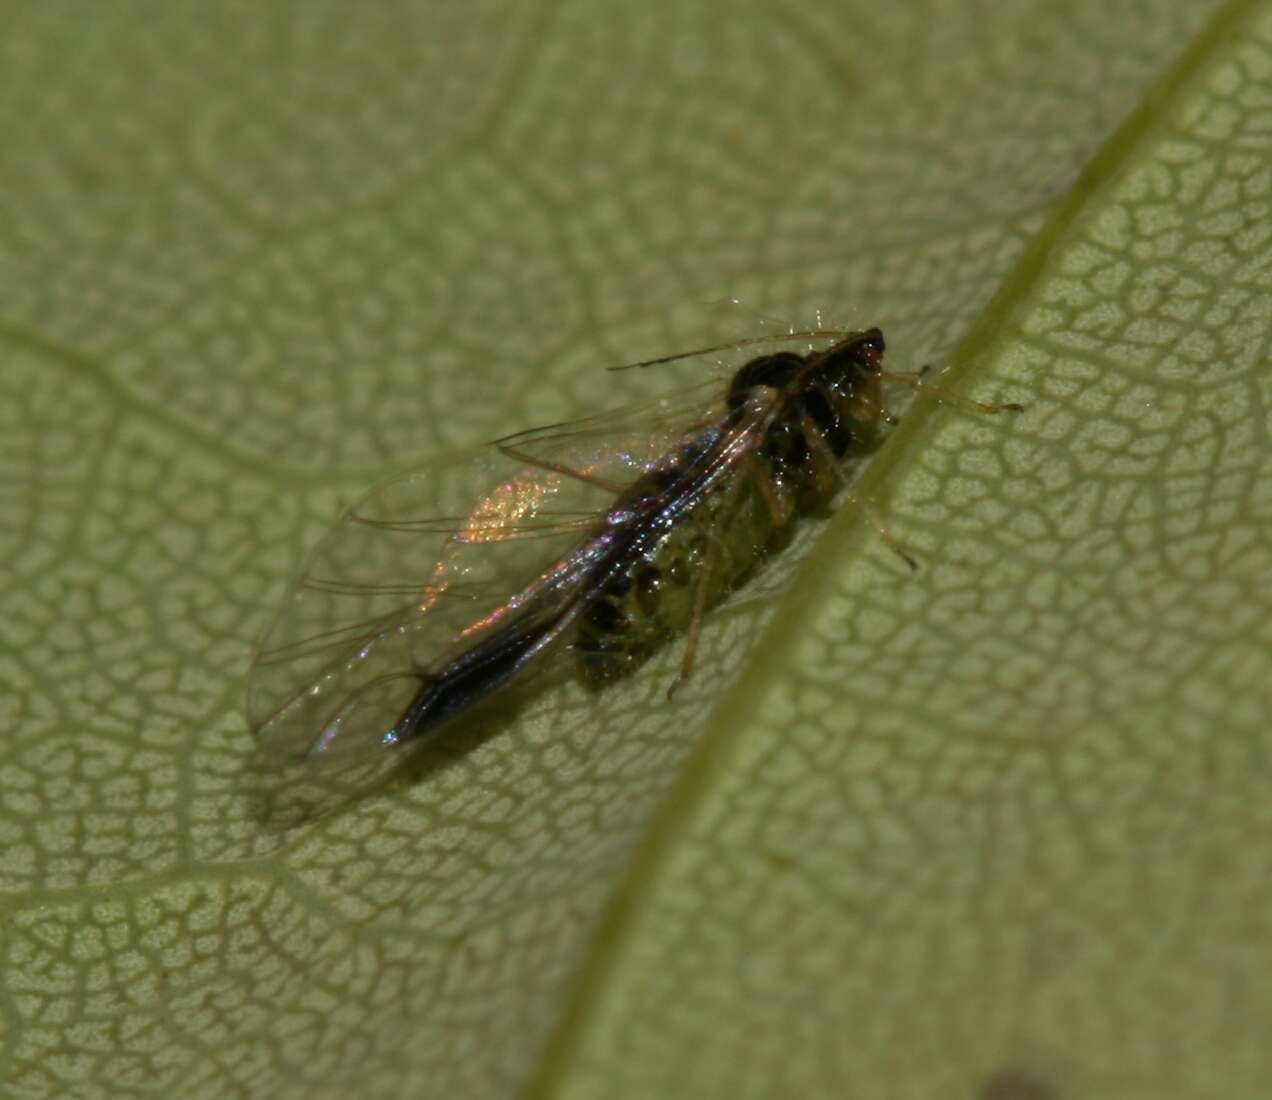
x,y
649,597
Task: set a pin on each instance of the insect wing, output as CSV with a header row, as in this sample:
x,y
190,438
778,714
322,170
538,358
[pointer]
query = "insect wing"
x,y
422,565
390,591
613,448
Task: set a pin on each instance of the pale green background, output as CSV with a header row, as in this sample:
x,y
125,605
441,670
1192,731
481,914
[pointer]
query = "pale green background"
x,y
999,830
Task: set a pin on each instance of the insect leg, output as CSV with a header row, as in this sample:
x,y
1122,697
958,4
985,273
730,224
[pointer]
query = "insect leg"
x,y
968,404
826,459
699,610
780,504
702,594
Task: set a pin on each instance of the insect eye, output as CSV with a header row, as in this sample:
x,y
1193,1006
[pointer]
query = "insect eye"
x,y
870,350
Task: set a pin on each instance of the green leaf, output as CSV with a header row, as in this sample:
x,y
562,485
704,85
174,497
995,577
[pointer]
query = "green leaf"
x,y
998,829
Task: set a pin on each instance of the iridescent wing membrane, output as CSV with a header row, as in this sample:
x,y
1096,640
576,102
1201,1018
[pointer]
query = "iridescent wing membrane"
x,y
418,568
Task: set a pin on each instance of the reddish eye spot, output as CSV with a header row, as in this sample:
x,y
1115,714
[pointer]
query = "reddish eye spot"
x,y
870,350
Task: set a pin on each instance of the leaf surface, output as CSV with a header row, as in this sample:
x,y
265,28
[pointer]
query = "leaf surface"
x,y
997,830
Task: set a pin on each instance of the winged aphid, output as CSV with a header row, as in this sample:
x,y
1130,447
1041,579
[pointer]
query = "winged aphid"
x,y
609,537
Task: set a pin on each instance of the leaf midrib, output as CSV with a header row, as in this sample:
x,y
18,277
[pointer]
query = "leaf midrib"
x,y
844,539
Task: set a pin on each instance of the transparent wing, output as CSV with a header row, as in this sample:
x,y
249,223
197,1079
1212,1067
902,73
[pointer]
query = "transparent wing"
x,y
614,447
421,566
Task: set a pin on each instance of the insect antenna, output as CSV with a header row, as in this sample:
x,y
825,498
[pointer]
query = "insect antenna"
x,y
730,345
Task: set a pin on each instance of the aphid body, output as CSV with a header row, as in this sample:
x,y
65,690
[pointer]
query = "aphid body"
x,y
707,517
692,527
691,507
